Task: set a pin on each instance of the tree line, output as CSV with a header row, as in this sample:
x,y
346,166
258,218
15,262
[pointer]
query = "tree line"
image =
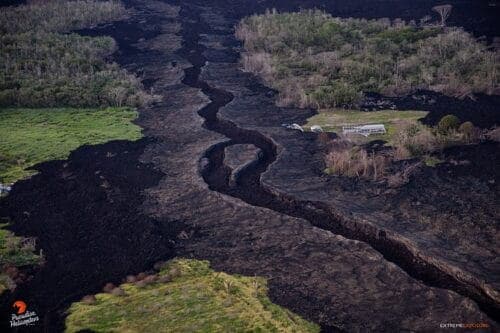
x,y
317,60
43,66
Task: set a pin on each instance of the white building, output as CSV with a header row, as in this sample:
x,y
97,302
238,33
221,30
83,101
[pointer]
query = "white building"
x,y
4,189
316,129
364,130
293,127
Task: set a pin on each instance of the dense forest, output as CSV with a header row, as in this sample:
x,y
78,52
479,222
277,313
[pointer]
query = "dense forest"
x,y
317,60
41,65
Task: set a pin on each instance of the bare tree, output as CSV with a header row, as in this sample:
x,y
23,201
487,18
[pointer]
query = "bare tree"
x,y
444,11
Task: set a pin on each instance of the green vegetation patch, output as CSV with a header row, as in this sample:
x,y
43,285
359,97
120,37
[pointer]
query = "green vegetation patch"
x,y
59,15
196,299
31,136
14,252
40,66
50,69
316,60
333,120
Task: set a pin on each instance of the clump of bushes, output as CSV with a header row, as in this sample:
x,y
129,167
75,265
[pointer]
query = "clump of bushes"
x,y
118,292
354,161
448,123
414,140
415,144
336,94
469,132
89,300
41,67
494,134
333,61
108,287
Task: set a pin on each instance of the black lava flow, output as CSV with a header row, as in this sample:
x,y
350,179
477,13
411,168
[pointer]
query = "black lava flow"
x,y
250,190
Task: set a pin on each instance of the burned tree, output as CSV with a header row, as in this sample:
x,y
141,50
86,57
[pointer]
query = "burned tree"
x,y
444,11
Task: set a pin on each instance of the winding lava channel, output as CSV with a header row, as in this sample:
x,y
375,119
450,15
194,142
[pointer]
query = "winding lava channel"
x,y
250,190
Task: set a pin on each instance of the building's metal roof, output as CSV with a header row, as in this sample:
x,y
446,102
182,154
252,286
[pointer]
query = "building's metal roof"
x,y
364,129
372,127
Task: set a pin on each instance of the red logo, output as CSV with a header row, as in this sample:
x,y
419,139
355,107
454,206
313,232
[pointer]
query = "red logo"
x,y
20,307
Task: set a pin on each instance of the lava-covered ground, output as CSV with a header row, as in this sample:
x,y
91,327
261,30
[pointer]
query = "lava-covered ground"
x,y
85,214
347,255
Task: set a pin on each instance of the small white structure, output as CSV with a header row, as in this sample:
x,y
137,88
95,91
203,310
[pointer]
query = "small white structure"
x,y
364,130
4,189
293,126
316,129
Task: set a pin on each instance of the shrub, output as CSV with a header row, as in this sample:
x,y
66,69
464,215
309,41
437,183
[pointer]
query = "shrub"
x,y
89,300
175,272
469,132
259,63
159,265
448,123
494,134
130,279
141,284
414,140
356,162
141,276
431,161
108,287
150,279
118,292
336,94
402,177
466,128
165,278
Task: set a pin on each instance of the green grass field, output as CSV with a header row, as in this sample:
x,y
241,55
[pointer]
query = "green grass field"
x,y
31,136
197,299
333,120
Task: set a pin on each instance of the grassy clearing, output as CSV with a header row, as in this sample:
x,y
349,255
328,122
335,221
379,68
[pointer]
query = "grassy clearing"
x,y
196,299
333,120
31,136
14,252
